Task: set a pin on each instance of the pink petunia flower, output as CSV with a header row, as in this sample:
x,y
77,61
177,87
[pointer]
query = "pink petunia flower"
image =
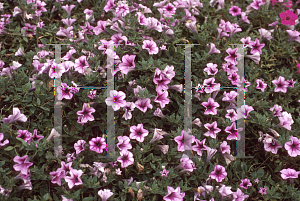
x,y
262,190
150,46
289,173
256,47
105,194
245,183
210,106
184,141
86,113
128,109
138,133
212,129
128,63
174,194
235,10
288,17
213,49
74,179
79,146
5,142
233,132
143,104
186,164
23,164
224,147
293,146
219,173
97,144
164,173
261,85
116,99
211,69
232,115
286,120
239,195
124,143
126,158
162,98
57,176
199,147
271,146
16,116
80,64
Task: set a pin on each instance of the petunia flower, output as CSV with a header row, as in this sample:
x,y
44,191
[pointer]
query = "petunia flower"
x,y
116,99
161,82
199,147
124,143
213,49
150,46
211,69
272,146
210,106
286,120
128,63
232,115
163,148
162,98
68,21
79,146
65,199
233,132
289,173
138,133
105,194
288,17
219,173
68,8
16,116
164,173
256,47
245,183
35,137
158,135
184,141
23,164
265,34
143,104
74,179
294,35
293,146
212,129
239,195
233,55
19,52
186,164
244,111
5,142
97,144
235,10
126,159
261,85
174,194
256,4
128,109
57,176
244,18
255,57
262,190
56,71
225,191
224,147
86,113
210,153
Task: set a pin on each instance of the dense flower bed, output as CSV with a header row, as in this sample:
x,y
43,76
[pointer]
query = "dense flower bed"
x,y
156,157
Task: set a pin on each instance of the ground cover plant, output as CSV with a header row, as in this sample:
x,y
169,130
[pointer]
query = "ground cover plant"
x,y
148,100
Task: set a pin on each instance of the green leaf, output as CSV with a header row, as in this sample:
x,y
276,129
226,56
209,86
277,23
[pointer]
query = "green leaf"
x,y
38,101
25,38
46,196
260,172
9,148
88,199
23,142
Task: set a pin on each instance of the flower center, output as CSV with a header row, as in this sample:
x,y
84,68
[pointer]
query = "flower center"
x,y
98,144
279,85
288,18
139,133
208,107
76,180
211,129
